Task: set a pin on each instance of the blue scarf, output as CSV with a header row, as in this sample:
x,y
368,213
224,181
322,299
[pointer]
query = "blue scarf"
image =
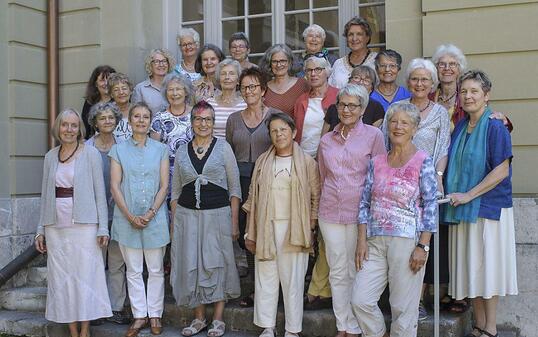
x,y
466,168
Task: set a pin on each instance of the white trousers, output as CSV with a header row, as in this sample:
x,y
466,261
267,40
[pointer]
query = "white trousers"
x,y
115,275
388,262
151,305
288,269
340,245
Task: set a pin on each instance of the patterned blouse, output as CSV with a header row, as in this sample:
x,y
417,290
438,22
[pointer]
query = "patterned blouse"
x,y
174,131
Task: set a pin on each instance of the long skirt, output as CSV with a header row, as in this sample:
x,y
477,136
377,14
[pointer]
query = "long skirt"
x,y
77,289
482,258
203,265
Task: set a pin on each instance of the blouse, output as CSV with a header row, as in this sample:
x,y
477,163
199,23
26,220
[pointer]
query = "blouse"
x,y
174,131
342,69
285,102
401,94
150,94
222,113
373,112
193,76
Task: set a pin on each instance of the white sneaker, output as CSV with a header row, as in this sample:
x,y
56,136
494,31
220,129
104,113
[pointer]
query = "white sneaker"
x,y
268,332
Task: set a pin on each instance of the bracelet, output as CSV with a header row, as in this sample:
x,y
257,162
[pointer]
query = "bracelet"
x,y
36,236
152,210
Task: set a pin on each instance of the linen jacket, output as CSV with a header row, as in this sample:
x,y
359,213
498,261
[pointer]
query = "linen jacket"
x,y
305,190
89,197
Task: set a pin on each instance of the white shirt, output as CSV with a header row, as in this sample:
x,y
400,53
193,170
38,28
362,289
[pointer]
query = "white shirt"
x,y
313,123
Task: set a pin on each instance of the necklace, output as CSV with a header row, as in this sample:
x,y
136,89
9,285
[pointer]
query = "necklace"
x,y
426,107
387,95
354,65
200,148
471,124
446,100
342,133
70,156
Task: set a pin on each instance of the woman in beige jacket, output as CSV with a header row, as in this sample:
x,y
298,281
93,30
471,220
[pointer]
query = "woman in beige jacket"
x,y
280,225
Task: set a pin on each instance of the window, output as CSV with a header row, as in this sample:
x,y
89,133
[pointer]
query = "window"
x,y
374,13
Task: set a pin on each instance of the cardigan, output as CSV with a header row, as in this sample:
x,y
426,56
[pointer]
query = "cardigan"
x,y
89,198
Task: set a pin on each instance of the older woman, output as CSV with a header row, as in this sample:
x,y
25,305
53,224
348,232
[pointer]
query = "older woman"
x,y
284,87
343,159
239,49
74,221
188,41
357,32
205,208
96,92
228,100
209,56
104,117
314,40
282,213
397,215
482,244
388,64
311,107
139,184
173,125
121,88
158,63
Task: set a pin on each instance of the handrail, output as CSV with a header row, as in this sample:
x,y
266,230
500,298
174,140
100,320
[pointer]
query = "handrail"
x,y
18,263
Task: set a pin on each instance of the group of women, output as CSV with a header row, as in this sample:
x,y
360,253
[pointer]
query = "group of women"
x,y
246,169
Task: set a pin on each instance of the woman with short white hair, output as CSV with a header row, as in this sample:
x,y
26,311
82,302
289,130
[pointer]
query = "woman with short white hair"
x,y
314,42
188,41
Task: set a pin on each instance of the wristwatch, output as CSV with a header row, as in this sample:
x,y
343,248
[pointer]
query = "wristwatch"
x,y
439,173
425,247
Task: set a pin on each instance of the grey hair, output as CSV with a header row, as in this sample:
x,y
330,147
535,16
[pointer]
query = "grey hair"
x,y
265,62
357,91
451,50
478,76
181,79
315,29
320,62
224,63
362,69
55,131
184,32
101,107
419,63
409,108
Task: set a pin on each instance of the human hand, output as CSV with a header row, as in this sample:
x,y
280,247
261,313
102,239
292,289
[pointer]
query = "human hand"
x,y
137,222
102,241
235,231
457,199
40,244
361,253
417,259
250,245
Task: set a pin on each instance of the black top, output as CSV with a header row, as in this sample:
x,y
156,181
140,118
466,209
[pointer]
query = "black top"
x,y
374,112
85,113
211,195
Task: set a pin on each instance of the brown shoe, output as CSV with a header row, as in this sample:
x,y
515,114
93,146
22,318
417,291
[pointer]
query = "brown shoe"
x,y
156,327
134,329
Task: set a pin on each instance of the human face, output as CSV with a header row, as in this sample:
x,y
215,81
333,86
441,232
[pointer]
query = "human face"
x,y
120,93
279,64
364,80
239,50
251,90
281,136
159,65
401,128
356,38
140,120
387,69
202,124
69,129
448,69
313,42
175,93
105,122
473,98
420,83
228,77
209,62
188,46
315,75
101,84
349,110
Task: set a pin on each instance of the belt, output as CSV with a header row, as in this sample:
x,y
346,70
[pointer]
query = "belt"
x,y
64,192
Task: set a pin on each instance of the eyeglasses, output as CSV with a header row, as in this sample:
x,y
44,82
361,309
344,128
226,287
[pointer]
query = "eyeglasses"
x,y
188,45
160,62
390,66
207,120
418,80
250,87
316,71
444,65
350,107
358,79
239,46
279,62
318,54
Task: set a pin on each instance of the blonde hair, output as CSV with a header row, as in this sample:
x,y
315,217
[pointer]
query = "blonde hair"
x,y
55,131
165,53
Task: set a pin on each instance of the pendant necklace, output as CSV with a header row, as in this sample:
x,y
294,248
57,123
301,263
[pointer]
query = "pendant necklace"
x,y
70,156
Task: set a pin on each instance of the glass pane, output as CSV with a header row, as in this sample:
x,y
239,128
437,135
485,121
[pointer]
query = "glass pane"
x,y
260,34
200,29
375,15
329,21
295,25
228,28
296,4
193,10
232,8
259,6
325,3
255,59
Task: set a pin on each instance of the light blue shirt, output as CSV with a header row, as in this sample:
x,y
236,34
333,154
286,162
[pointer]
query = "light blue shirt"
x,y
151,95
140,183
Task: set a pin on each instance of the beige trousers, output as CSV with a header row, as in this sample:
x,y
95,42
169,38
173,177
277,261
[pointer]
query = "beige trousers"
x,y
388,262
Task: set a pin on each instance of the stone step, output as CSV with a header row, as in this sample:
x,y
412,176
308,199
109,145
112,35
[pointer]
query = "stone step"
x,y
37,277
24,298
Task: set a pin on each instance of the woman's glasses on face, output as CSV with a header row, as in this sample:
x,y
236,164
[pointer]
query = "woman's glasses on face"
x,y
200,120
350,107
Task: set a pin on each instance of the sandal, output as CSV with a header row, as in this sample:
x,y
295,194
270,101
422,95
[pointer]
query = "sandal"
x,y
135,328
484,332
268,332
475,328
247,301
217,328
197,325
156,326
457,306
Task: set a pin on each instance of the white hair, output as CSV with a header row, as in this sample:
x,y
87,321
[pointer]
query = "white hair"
x,y
451,50
315,29
419,63
355,90
184,32
320,62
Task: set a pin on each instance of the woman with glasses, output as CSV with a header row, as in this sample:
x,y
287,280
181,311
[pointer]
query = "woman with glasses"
x,y
314,41
284,87
388,64
205,211
188,41
158,63
343,158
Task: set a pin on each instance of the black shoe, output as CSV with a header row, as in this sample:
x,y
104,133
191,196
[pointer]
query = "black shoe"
x,y
119,317
97,322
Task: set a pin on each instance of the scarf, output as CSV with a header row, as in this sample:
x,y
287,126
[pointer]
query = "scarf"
x,y
466,168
